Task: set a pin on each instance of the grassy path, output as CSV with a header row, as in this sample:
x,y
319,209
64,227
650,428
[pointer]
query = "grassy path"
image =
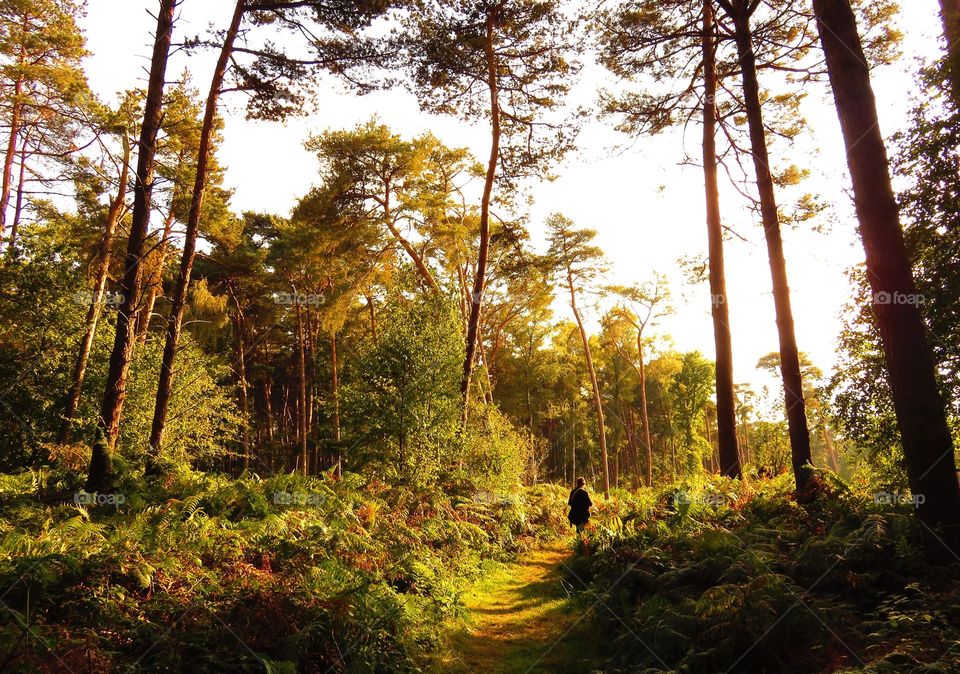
x,y
520,620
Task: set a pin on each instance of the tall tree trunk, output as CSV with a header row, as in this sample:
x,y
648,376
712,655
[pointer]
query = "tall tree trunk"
x,y
175,324
789,356
927,444
241,357
335,386
950,16
464,295
302,398
726,417
644,411
371,307
284,427
482,349
480,277
268,408
833,458
115,391
631,426
311,349
16,112
18,207
99,285
597,400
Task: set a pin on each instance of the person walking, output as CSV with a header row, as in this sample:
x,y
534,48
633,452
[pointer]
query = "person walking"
x,y
580,505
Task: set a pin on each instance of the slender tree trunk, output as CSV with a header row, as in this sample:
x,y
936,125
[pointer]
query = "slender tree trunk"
x,y
714,449
482,349
832,456
573,455
644,411
480,278
99,285
927,444
950,16
241,357
116,385
175,324
16,111
371,307
155,284
616,468
18,207
311,347
282,428
302,399
789,356
626,422
268,407
597,400
335,386
464,295
726,417
638,468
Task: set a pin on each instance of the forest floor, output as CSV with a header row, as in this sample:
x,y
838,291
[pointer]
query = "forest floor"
x,y
521,618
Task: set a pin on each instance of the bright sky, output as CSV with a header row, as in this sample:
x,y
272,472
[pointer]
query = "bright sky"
x,y
647,208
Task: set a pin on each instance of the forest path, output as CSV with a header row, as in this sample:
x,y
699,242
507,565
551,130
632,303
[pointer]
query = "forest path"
x,y
521,619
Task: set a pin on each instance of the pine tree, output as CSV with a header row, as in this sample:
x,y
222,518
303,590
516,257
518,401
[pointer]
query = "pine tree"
x,y
504,62
41,47
576,262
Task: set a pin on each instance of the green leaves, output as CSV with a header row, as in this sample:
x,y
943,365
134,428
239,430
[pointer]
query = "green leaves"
x,y
402,401
462,54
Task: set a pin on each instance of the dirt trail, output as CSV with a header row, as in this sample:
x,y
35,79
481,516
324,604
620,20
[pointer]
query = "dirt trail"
x,y
520,620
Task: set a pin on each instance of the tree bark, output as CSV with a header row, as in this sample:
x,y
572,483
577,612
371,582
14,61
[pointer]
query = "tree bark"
x,y
631,426
644,410
371,307
789,356
597,400
482,351
726,418
99,285
640,368
18,206
927,444
175,324
116,385
335,386
241,356
479,280
268,408
16,111
155,283
950,16
302,399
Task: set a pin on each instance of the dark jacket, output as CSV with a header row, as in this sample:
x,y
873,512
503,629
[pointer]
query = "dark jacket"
x,y
579,503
